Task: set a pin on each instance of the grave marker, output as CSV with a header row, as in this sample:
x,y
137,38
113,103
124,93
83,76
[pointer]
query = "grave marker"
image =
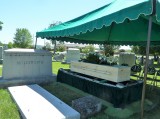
x,y
26,63
73,54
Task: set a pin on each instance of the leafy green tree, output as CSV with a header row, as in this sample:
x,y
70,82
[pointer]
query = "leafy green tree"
x,y
1,44
139,50
1,25
108,50
10,45
61,48
87,49
142,50
135,49
154,50
23,38
47,46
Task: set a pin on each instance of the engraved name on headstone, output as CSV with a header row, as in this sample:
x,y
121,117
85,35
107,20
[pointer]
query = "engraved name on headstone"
x,y
26,63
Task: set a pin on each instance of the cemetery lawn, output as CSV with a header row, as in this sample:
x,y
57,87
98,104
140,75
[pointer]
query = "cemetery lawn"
x,y
57,65
9,110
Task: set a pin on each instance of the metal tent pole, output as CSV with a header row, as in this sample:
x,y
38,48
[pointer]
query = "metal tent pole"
x,y
146,66
35,43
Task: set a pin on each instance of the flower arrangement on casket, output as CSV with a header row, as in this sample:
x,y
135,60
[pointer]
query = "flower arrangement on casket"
x,y
97,58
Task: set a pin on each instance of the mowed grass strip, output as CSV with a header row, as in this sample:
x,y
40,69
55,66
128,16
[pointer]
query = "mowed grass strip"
x,y
57,65
8,109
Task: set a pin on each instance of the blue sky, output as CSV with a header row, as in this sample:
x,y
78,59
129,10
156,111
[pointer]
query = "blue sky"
x,y
35,15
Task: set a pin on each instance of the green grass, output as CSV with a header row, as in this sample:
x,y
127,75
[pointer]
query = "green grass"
x,y
8,109
58,65
68,94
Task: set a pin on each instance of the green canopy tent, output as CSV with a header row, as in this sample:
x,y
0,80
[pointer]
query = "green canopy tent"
x,y
116,23
122,22
158,11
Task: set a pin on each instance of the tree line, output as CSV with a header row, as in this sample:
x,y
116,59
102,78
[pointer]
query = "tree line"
x,y
24,39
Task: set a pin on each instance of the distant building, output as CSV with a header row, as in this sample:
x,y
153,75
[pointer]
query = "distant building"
x,y
72,45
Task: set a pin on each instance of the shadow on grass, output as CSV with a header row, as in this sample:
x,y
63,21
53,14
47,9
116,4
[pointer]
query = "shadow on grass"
x,y
67,93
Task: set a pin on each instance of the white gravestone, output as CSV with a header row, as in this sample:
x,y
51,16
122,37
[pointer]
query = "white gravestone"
x,y
127,58
5,47
73,54
26,63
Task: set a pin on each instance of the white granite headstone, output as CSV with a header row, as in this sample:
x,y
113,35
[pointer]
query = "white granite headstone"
x,y
26,63
5,47
73,54
127,58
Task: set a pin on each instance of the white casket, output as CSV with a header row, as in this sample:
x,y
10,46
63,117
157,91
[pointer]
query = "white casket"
x,y
111,73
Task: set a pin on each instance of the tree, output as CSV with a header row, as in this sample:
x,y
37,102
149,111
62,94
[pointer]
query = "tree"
x,y
154,50
61,48
54,41
1,44
47,46
87,49
54,24
1,25
10,45
135,49
23,38
109,49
